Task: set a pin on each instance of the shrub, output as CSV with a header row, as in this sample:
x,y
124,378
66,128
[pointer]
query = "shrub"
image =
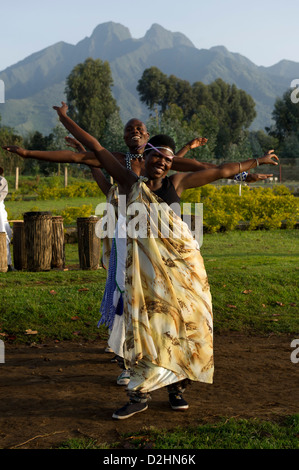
x,y
224,209
70,214
86,189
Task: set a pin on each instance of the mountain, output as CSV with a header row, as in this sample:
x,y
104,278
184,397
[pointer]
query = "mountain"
x,y
35,84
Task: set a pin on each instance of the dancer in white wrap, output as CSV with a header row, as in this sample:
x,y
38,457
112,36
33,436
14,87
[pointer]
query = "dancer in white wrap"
x,y
4,225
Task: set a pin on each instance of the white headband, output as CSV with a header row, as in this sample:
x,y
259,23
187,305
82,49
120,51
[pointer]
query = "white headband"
x,y
156,148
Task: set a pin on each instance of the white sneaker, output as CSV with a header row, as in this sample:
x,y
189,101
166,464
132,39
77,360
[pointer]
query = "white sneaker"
x,y
123,378
108,350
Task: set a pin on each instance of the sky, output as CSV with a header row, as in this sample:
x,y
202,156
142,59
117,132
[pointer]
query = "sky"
x,y
264,31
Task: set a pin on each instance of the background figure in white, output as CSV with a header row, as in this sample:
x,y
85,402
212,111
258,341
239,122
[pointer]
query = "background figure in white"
x,y
4,225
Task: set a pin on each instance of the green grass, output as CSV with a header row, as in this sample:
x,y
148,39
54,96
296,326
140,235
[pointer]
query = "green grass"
x,y
262,264
16,209
228,433
225,434
58,305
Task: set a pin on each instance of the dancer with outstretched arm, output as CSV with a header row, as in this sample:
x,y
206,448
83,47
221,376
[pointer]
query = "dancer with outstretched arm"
x,y
167,301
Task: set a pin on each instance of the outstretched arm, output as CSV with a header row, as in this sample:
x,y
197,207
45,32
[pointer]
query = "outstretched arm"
x,y
193,144
255,177
226,170
124,177
58,156
187,165
190,164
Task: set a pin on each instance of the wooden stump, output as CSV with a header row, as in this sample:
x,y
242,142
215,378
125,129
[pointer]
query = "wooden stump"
x,y
19,245
38,236
89,245
58,246
3,253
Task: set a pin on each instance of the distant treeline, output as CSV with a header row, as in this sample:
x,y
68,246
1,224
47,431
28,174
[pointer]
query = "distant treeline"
x,y
218,111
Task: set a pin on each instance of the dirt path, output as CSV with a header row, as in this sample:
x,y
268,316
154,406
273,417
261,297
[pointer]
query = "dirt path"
x,y
57,391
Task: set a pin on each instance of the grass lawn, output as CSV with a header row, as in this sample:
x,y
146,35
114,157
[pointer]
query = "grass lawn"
x,y
16,208
225,434
253,277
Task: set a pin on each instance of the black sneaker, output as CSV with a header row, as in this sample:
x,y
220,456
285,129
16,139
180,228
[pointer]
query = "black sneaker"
x,y
177,402
129,410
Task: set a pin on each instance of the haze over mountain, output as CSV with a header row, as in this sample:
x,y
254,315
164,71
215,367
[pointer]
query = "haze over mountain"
x,y
35,84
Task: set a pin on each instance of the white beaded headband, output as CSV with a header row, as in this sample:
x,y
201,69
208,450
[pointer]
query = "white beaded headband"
x,y
157,149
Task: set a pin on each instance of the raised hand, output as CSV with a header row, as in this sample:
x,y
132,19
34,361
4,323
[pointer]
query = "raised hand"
x,y
198,142
268,159
61,110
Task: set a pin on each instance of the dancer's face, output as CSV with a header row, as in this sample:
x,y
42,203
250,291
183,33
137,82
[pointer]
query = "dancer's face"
x,y
157,165
135,134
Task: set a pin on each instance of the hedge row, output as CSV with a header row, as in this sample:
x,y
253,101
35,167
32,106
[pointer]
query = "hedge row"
x,y
225,209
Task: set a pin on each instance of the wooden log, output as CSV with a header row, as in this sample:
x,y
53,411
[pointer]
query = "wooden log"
x,y
19,245
38,237
3,253
58,246
89,245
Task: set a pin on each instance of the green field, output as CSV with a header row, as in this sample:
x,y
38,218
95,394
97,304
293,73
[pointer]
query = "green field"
x,y
253,277
17,208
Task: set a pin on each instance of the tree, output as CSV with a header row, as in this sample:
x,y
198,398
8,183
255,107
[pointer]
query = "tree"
x,y
261,142
152,87
218,105
37,141
172,123
8,136
89,97
286,117
113,136
234,110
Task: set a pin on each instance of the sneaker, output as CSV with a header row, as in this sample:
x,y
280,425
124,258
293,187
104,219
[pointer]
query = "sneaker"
x,y
130,409
108,350
123,378
177,402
